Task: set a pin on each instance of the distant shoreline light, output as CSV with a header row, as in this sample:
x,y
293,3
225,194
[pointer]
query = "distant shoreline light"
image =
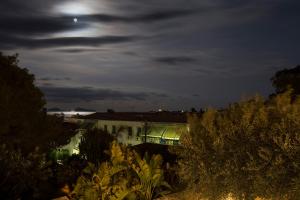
x,y
70,113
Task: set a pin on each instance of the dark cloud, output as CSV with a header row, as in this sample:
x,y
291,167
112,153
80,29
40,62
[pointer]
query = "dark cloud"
x,y
155,16
89,94
32,18
159,95
54,79
7,6
37,25
175,60
161,15
77,50
7,42
28,7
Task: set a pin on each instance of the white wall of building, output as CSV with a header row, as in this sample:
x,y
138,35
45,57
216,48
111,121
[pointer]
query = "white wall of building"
x,y
128,132
121,129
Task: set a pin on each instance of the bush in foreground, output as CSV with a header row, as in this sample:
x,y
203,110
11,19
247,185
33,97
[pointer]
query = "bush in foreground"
x,y
125,176
24,177
94,144
248,150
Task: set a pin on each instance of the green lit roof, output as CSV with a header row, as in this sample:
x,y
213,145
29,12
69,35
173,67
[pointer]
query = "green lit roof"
x,y
166,132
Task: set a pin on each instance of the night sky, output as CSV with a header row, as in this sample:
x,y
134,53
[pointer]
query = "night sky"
x,y
139,55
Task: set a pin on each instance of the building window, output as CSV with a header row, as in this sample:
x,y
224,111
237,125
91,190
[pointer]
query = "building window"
x,y
129,131
169,142
162,141
105,128
139,131
113,129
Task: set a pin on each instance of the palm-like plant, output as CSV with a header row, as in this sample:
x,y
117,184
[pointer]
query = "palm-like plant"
x,y
150,174
125,176
101,182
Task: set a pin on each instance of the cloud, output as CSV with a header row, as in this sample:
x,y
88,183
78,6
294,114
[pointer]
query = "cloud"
x,y
54,79
161,15
38,25
89,94
30,7
31,18
161,95
77,50
155,16
46,84
175,60
8,42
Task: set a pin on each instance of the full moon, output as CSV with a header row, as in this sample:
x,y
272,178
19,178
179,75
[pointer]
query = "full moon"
x,y
75,20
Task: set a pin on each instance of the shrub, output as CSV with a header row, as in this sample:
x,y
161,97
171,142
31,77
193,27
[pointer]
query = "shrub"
x,y
24,177
248,150
125,175
93,145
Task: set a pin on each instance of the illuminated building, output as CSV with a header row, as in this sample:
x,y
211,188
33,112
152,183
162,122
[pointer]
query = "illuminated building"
x,y
132,128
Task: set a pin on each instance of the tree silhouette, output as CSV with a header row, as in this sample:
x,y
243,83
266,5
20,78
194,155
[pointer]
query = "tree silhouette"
x,y
287,78
93,145
24,124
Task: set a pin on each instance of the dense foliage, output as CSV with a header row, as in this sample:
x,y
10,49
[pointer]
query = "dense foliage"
x,y
24,124
125,175
26,135
287,78
248,150
68,171
94,144
24,177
